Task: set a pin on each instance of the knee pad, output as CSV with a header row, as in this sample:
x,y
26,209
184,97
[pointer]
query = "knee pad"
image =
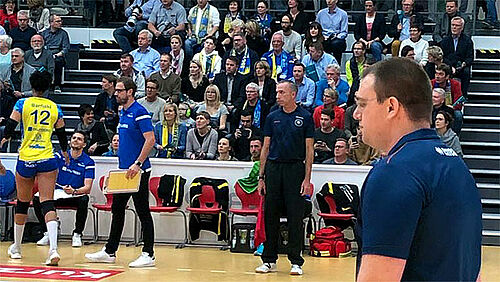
x,y
47,206
22,207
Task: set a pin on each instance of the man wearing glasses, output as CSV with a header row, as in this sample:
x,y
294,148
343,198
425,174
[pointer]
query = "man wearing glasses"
x,y
57,41
152,103
22,34
420,210
136,141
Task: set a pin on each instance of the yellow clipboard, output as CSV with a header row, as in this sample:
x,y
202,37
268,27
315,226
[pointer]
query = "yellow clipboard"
x,y
116,182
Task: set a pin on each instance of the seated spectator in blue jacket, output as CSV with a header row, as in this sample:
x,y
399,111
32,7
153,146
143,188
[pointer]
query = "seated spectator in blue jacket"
x,y
170,134
316,61
280,61
332,81
73,185
306,87
126,35
146,59
113,147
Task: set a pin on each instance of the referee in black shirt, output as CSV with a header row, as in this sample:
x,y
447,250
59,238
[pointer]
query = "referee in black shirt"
x,y
285,175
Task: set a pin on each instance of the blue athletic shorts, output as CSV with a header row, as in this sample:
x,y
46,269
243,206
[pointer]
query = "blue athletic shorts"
x,y
29,169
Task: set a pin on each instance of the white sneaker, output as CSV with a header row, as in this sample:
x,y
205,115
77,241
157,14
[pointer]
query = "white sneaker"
x,y
266,268
44,241
296,270
76,240
14,251
53,259
101,256
145,260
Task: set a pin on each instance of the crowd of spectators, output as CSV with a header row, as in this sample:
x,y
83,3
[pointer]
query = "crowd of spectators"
x,y
211,72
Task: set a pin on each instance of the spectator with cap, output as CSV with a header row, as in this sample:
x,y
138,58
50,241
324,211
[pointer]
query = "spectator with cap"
x,y
57,41
280,61
146,59
340,154
127,69
169,83
306,87
22,34
316,61
334,22
17,75
370,29
334,81
165,21
126,35
39,56
203,20
326,136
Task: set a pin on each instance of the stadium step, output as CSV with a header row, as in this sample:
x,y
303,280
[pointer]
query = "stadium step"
x,y
483,109
492,86
483,97
481,122
486,74
486,64
97,54
481,148
92,64
486,176
84,75
483,161
75,98
480,135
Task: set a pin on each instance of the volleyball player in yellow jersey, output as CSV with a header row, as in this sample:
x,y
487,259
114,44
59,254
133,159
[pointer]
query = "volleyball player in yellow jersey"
x,y
38,116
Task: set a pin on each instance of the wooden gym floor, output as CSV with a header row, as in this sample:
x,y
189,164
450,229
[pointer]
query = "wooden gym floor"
x,y
207,264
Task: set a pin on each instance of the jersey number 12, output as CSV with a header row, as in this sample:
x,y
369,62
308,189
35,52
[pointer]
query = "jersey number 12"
x,y
44,116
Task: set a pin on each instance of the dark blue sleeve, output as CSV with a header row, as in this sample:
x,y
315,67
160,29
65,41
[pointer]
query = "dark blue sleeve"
x,y
143,118
268,126
309,126
392,202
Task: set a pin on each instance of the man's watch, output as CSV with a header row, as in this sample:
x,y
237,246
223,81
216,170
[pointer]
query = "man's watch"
x,y
138,163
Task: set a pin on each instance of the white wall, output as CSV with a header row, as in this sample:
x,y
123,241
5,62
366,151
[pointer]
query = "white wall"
x,y
169,227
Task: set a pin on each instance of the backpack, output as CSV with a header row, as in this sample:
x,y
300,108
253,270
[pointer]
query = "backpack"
x,y
171,190
329,242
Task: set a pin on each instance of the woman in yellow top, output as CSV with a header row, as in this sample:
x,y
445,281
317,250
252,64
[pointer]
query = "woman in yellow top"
x,y
38,116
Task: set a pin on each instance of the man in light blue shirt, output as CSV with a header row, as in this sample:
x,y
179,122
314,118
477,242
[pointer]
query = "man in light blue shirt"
x,y
316,62
125,35
306,86
334,23
146,59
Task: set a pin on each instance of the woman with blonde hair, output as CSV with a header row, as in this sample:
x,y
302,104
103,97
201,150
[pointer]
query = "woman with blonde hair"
x,y
255,41
5,44
217,110
170,134
267,85
435,56
196,83
237,26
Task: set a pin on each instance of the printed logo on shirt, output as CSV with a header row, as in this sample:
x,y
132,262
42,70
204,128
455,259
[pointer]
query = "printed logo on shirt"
x,y
122,125
448,152
71,171
299,121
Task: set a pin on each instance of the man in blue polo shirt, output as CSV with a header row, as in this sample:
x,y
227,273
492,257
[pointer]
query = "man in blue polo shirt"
x,y
136,141
74,181
420,212
285,175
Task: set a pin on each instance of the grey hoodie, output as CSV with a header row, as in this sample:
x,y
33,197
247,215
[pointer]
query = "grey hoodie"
x,y
450,138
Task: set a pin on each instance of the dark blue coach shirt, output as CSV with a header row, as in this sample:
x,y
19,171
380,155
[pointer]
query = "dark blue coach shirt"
x,y
420,203
288,132
134,122
75,173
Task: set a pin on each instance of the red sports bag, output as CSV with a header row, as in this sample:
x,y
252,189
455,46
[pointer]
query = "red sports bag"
x,y
329,242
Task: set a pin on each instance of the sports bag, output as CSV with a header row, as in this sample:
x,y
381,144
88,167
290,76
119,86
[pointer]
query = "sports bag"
x,y
329,242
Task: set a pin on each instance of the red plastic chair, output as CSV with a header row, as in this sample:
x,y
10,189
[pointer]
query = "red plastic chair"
x,y
107,207
249,203
208,205
333,214
154,183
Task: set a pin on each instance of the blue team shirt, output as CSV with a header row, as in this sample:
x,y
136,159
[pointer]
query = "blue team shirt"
x,y
283,61
75,173
288,132
421,203
134,122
